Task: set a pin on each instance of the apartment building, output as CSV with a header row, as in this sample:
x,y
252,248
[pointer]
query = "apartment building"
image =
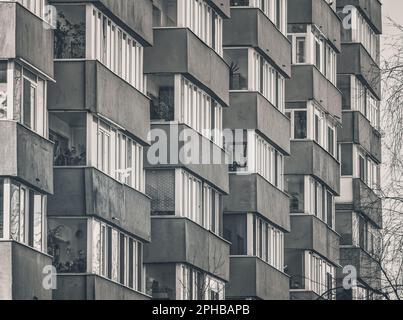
x,y
359,208
186,173
314,106
26,175
256,212
99,215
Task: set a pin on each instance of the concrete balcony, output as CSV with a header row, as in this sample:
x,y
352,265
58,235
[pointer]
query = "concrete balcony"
x,y
311,159
89,192
310,233
26,156
357,196
354,59
178,50
21,272
250,110
250,277
250,27
23,36
253,194
210,164
136,15
308,83
89,85
367,267
358,130
372,9
179,240
316,12
93,287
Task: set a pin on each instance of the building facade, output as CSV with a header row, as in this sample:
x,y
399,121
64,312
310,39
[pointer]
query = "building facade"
x,y
26,175
189,149
359,208
256,214
314,105
186,174
99,215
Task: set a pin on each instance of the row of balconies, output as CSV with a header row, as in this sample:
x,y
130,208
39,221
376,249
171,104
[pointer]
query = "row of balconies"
x,y
85,85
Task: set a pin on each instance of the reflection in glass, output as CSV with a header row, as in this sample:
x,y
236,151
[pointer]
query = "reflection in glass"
x,y
70,32
161,91
68,132
238,62
67,243
3,89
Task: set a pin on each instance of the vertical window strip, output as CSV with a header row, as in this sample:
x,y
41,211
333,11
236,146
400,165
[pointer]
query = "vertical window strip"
x,y
117,50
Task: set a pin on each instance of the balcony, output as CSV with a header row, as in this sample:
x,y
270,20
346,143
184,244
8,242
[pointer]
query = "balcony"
x,y
93,287
89,85
308,83
258,281
357,129
178,50
21,272
250,27
250,110
210,164
354,59
310,233
89,192
372,9
26,155
316,12
366,201
253,194
368,269
136,15
311,159
23,36
179,240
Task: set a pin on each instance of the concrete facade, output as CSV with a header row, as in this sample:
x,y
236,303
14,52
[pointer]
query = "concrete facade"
x,y
359,207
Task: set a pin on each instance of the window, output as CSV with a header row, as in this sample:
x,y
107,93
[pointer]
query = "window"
x,y
175,98
319,201
68,132
250,71
67,243
309,46
35,6
367,170
364,101
3,89
198,201
268,243
320,276
300,50
199,17
116,49
117,154
116,255
196,285
70,34
28,91
268,162
22,215
361,32
299,123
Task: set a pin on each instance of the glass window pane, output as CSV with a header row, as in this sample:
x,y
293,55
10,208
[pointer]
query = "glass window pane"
x,y
70,32
300,125
3,89
67,243
238,62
